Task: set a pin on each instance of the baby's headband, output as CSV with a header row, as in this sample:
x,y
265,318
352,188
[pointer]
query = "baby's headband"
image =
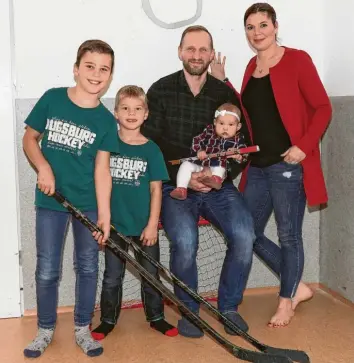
x,y
224,112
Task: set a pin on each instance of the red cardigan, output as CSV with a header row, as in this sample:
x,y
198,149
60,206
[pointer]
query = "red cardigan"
x,y
305,110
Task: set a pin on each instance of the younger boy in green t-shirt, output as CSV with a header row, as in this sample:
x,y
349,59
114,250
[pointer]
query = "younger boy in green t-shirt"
x,y
137,175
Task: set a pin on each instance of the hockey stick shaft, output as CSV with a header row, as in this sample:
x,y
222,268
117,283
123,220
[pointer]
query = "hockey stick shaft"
x,y
296,355
244,150
241,353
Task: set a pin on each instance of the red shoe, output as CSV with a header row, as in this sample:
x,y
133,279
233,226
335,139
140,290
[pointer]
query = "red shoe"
x,y
214,181
179,193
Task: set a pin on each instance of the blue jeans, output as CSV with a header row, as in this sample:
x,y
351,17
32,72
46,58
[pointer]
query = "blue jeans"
x,y
51,227
227,211
112,285
279,187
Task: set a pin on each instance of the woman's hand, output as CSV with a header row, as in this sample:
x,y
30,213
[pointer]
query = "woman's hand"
x,y
294,155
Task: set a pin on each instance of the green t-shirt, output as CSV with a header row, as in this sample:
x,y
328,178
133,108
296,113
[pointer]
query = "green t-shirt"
x,y
132,171
72,135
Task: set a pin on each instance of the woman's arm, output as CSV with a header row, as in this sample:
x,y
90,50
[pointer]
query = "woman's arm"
x,y
315,95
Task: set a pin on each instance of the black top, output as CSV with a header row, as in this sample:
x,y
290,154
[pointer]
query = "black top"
x,y
176,116
267,127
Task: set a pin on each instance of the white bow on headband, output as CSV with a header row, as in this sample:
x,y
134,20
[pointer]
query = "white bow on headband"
x,y
224,112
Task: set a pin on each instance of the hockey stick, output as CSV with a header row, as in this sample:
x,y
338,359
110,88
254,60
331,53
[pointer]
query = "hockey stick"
x,y
295,355
238,352
244,150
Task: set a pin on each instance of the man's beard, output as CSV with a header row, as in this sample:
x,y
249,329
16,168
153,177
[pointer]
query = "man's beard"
x,y
195,71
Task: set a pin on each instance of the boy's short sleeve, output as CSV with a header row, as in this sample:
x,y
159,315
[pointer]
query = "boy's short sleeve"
x,y
157,166
110,139
37,118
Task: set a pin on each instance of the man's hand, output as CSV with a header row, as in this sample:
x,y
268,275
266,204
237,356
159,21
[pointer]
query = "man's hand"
x,y
104,223
46,180
149,235
202,155
196,185
217,67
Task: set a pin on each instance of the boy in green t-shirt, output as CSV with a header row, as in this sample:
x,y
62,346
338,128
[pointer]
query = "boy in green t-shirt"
x,y
137,174
77,134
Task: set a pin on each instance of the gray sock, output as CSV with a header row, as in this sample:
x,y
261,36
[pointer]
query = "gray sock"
x,y
40,343
85,341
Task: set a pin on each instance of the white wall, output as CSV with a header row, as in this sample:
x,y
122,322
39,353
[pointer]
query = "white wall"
x,y
338,53
48,34
9,245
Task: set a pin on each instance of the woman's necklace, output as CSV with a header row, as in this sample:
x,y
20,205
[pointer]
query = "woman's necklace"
x,y
259,69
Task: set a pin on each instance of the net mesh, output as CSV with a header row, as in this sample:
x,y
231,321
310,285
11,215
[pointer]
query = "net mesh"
x,y
210,257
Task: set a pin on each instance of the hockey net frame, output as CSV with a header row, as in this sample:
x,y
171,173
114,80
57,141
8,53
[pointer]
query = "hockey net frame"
x,y
210,256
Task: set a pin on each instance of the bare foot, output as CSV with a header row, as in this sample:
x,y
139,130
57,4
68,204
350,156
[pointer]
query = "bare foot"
x,y
303,293
283,314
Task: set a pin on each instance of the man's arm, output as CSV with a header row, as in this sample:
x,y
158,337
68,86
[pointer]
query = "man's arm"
x,y
217,68
234,98
234,167
153,126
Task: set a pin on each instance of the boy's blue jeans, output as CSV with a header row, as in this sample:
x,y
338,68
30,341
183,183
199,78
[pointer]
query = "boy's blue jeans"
x,y
225,209
51,227
112,285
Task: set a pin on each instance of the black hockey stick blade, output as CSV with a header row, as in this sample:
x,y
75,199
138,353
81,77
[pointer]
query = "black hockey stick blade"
x,y
257,357
241,353
295,355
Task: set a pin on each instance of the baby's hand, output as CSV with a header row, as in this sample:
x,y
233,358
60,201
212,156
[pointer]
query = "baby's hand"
x,y
202,155
237,157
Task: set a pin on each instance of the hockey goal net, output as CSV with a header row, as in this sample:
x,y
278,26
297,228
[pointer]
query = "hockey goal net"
x,y
211,253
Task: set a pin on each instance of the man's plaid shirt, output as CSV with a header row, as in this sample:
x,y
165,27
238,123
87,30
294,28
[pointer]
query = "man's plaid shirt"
x,y
176,115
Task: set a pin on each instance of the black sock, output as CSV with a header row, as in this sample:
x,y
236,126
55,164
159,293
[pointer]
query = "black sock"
x,y
102,331
164,327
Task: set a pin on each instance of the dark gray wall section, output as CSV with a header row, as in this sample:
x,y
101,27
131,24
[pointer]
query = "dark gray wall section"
x,y
337,220
210,256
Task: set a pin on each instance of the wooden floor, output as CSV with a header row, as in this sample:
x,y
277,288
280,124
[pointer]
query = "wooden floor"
x,y
323,327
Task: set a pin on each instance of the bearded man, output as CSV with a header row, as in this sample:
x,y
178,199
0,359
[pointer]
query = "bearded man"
x,y
181,105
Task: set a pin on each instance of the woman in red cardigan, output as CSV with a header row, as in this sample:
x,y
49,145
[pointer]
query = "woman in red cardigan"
x,y
287,111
